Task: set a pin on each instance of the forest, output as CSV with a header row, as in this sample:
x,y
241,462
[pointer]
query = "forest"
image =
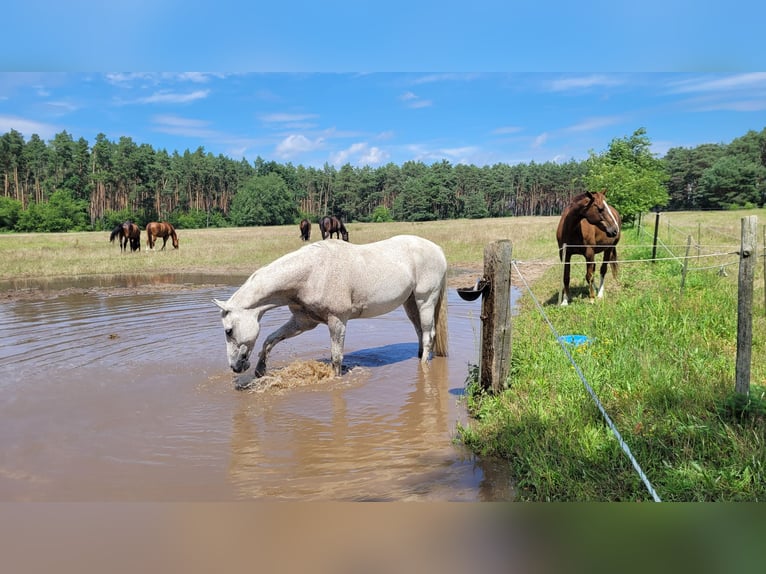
x,y
70,184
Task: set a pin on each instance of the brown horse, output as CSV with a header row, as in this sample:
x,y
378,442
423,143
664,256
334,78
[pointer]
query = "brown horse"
x,y
127,232
162,229
329,225
305,227
588,226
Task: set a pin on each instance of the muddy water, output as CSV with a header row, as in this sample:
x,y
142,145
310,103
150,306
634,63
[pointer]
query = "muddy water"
x,y
118,394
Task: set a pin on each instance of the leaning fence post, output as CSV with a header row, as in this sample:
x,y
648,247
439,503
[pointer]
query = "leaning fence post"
x,y
496,316
747,261
656,232
686,262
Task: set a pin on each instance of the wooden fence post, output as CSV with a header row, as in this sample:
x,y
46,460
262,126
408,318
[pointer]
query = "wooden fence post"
x,y
747,262
496,316
656,232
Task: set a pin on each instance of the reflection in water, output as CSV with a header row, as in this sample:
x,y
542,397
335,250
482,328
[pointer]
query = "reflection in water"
x,y
108,395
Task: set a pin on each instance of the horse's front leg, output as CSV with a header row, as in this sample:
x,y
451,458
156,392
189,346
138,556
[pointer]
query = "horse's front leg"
x,y
567,276
590,271
297,324
337,328
604,267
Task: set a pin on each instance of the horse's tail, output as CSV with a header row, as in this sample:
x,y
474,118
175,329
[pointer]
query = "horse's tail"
x,y
440,323
115,232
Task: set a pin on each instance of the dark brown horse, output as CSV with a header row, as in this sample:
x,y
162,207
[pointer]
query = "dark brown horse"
x,y
127,232
588,226
163,229
305,229
329,225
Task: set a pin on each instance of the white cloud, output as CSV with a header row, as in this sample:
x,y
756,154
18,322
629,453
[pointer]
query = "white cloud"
x,y
286,118
174,97
374,156
584,82
540,140
595,123
414,101
27,127
360,154
507,130
295,144
726,83
176,125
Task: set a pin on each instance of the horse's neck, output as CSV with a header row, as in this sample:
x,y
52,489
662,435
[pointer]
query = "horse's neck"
x,y
271,286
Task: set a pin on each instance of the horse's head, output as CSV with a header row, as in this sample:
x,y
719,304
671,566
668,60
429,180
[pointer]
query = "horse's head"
x,y
600,214
241,327
174,237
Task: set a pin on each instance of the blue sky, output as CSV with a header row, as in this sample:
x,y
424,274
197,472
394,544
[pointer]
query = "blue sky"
x,y
366,83
375,118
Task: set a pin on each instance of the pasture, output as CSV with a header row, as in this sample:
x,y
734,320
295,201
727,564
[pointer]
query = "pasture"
x,y
662,359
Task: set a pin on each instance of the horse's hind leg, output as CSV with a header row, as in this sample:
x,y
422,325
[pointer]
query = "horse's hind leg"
x,y
411,308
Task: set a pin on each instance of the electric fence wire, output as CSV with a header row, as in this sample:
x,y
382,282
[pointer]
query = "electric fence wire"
x,y
591,392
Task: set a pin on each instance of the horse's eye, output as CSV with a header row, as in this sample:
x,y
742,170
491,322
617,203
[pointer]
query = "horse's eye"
x,y
229,332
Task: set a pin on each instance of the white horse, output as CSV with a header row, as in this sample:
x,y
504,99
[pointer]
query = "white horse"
x,y
333,281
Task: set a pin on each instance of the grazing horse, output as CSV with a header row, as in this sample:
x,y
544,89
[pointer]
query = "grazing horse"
x,y
331,282
132,232
127,232
162,229
305,227
588,226
329,225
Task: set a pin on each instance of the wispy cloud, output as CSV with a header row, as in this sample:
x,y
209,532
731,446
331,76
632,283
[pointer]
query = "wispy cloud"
x,y
433,78
286,118
720,84
414,101
585,82
174,97
594,123
151,78
505,130
27,127
187,127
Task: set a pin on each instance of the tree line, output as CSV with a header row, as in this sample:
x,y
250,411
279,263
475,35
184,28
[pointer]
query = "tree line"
x,y
67,184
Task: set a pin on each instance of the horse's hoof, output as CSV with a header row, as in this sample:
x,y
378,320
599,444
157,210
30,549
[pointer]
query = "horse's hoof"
x,y
260,369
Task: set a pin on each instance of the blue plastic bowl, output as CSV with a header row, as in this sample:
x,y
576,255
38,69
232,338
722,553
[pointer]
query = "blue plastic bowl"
x,y
574,340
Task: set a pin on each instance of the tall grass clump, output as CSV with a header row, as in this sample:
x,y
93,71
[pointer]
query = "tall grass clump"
x,y
661,362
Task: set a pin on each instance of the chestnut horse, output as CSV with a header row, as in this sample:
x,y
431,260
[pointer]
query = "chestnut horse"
x,y
329,225
588,226
162,229
305,227
127,232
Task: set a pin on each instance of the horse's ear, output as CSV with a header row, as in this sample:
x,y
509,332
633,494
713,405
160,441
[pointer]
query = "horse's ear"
x,y
221,305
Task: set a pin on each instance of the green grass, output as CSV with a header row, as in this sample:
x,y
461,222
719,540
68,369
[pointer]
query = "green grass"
x,y
662,363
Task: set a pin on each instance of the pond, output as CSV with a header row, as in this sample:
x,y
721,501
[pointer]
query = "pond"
x,y
112,389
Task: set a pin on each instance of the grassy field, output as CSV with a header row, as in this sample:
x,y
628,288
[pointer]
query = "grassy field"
x,y
242,250
661,361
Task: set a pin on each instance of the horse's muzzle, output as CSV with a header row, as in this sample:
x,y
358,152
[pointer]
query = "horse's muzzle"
x,y
241,363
